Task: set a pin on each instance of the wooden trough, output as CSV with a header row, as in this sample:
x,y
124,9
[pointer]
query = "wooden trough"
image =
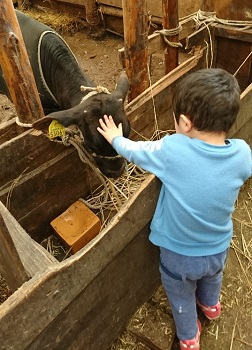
x,y
85,301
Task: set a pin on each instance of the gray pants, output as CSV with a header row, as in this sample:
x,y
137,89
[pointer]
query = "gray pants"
x,y
187,278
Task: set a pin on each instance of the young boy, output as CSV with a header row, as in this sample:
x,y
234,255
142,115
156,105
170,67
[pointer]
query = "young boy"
x,y
201,173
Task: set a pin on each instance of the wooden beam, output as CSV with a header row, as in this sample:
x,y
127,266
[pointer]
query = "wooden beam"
x,y
233,33
240,128
135,48
16,67
199,38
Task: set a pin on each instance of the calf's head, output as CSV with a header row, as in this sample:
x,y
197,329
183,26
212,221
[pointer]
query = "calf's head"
x,y
86,116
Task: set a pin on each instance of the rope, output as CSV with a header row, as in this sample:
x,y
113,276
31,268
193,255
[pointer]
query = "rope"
x,y
74,137
243,63
24,125
93,91
201,17
205,18
170,32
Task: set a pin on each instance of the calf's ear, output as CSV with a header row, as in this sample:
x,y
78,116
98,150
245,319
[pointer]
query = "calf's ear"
x,y
66,118
122,86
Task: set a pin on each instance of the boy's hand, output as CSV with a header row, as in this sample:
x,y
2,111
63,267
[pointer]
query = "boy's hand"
x,y
108,128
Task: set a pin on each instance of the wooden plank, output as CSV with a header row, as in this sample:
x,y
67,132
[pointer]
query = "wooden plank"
x,y
233,33
244,116
74,2
11,265
245,132
55,290
96,319
30,152
201,37
114,3
33,257
235,61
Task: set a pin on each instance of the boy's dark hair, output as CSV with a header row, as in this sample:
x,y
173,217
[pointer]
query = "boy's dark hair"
x,y
210,98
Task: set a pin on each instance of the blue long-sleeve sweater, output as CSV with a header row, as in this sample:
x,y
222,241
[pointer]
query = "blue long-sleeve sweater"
x,y
200,184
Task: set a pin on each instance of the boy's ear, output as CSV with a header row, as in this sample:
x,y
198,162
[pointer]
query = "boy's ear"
x,y
185,123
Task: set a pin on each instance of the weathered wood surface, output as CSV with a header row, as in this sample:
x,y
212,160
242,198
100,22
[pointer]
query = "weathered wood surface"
x,y
92,15
135,46
76,298
20,256
233,52
232,56
230,9
16,66
233,33
9,130
11,266
170,22
243,125
41,185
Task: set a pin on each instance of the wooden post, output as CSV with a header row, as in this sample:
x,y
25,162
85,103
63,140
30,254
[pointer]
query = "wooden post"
x,y
136,44
170,21
16,67
92,16
207,5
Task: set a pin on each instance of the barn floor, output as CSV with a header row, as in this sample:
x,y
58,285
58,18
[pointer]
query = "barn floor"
x,y
152,326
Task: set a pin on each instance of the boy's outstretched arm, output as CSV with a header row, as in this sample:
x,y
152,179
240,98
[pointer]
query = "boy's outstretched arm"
x,y
108,128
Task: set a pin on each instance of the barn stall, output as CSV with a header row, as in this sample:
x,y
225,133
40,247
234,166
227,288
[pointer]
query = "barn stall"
x,y
67,294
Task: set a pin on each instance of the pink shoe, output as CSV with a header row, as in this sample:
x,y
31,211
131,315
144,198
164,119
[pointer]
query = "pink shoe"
x,y
211,312
191,343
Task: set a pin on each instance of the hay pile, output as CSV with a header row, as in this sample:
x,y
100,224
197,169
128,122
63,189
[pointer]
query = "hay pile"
x,y
118,192
5,291
60,22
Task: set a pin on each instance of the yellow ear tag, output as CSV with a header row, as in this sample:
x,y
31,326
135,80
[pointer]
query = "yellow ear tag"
x,y
56,129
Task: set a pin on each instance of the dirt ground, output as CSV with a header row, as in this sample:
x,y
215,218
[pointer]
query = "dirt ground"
x,y
99,58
